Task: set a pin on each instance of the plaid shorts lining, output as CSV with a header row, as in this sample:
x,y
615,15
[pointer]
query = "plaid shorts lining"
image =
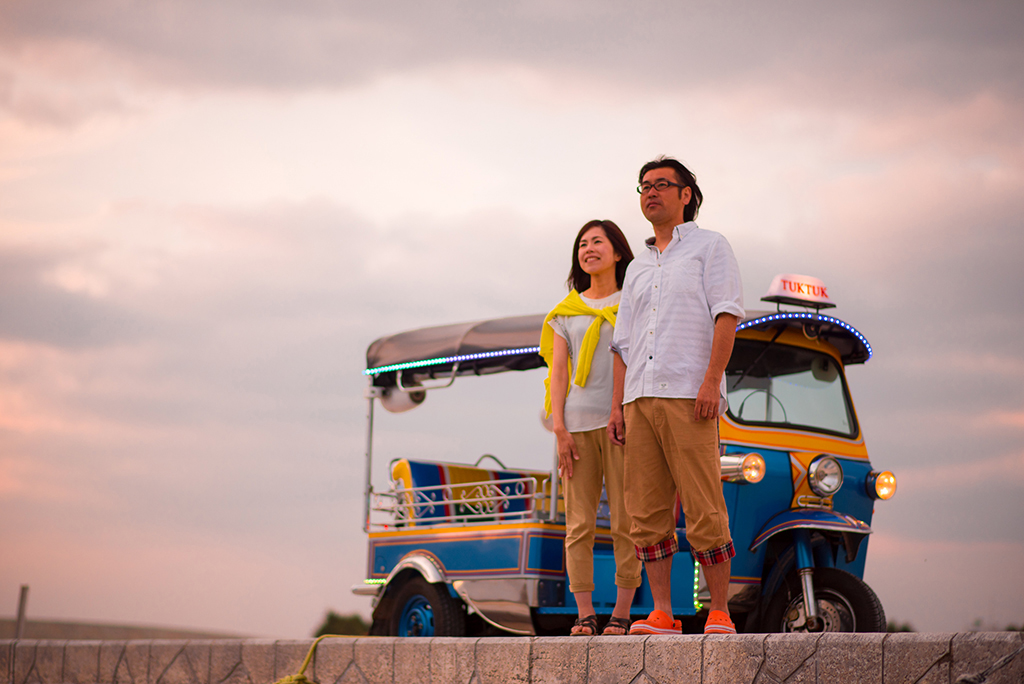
x,y
714,556
659,551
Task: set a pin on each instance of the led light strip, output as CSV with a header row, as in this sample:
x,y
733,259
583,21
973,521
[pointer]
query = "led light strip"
x,y
450,359
697,605
796,315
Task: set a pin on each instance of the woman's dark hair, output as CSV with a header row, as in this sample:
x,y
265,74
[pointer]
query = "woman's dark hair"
x,y
685,176
579,279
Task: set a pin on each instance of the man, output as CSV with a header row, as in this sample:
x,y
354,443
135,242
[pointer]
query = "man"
x,y
681,301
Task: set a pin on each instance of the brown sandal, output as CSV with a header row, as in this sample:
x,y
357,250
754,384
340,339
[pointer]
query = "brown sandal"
x,y
588,622
616,623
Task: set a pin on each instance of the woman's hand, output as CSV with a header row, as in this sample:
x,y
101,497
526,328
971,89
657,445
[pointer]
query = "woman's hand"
x,y
567,452
565,444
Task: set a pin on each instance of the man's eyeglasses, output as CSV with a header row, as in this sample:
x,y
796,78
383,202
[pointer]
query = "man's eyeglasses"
x,y
660,186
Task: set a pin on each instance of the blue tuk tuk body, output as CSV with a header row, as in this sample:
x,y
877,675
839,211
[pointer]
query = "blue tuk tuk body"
x,y
461,549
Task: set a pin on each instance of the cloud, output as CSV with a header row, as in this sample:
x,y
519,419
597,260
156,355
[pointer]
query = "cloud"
x,y
23,479
966,363
33,308
62,86
192,580
1003,419
980,470
234,420
858,56
256,322
980,498
209,211
936,585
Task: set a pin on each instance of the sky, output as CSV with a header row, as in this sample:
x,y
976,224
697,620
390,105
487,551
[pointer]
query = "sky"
x,y
209,210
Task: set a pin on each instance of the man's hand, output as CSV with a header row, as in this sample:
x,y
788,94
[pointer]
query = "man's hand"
x,y
706,406
617,427
567,452
616,423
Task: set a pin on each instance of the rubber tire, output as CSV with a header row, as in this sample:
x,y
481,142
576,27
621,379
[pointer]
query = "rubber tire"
x,y
378,628
851,605
416,595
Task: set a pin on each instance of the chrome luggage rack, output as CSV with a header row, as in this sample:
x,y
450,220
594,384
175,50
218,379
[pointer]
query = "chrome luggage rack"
x,y
484,501
472,502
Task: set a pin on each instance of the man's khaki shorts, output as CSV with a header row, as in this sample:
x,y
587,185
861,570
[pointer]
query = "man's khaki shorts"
x,y
669,451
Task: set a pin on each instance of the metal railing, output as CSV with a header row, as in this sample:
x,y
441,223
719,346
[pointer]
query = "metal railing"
x,y
470,502
484,501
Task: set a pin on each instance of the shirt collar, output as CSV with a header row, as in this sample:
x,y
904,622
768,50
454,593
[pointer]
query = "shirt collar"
x,y
680,231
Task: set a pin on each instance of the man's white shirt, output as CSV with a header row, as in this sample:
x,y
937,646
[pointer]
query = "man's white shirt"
x,y
666,320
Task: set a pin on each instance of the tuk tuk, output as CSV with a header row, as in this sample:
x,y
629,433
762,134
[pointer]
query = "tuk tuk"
x,y
458,548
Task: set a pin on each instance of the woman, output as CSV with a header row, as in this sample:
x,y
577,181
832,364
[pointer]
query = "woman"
x,y
574,343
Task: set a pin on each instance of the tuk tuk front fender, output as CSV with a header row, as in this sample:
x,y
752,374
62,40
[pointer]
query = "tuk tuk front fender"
x,y
853,531
810,518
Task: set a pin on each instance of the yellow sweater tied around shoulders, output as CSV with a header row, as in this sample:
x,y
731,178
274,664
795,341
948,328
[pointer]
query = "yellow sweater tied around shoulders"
x,y
573,305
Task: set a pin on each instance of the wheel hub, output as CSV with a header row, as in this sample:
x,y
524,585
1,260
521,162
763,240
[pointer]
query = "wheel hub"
x,y
835,614
417,618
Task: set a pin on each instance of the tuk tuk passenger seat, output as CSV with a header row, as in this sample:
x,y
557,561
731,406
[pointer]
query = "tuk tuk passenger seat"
x,y
437,492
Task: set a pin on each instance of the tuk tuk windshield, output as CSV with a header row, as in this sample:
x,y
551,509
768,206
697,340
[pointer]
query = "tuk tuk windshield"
x,y
778,384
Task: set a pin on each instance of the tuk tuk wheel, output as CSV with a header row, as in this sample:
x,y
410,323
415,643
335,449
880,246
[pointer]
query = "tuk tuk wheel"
x,y
845,604
422,609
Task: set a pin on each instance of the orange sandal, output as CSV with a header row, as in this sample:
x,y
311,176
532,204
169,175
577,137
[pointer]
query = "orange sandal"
x,y
719,623
658,622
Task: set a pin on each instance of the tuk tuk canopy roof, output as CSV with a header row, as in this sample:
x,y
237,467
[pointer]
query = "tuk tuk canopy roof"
x,y
503,344
852,346
479,347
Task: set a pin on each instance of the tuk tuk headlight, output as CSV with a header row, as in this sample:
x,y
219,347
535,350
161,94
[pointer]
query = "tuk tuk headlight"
x,y
881,485
743,468
825,476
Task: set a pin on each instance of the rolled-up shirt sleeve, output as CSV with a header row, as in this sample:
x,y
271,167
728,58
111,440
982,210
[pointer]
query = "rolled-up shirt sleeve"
x,y
722,283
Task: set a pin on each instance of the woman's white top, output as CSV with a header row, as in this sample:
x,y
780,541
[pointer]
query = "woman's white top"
x,y
590,407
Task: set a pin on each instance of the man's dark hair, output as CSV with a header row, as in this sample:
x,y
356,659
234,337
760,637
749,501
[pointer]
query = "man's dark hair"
x,y
579,279
685,177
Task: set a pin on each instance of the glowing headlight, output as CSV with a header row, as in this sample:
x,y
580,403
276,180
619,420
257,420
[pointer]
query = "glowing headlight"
x,y
743,468
881,485
825,476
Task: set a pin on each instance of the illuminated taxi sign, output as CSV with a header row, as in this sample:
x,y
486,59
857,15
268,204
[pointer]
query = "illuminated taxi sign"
x,y
801,290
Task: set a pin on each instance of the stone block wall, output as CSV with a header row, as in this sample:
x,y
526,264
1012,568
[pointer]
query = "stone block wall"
x,y
991,657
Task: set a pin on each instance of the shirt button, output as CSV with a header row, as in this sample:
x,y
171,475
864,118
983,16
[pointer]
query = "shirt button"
x,y
650,358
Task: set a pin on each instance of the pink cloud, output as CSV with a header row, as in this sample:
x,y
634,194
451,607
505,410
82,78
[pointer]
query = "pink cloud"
x,y
939,585
977,470
63,83
127,575
980,124
1013,419
25,479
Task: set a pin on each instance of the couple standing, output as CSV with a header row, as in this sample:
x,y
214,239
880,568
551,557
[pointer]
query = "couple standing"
x,y
643,418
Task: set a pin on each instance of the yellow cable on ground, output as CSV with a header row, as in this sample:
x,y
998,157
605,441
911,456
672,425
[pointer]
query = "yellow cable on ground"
x,y
300,677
